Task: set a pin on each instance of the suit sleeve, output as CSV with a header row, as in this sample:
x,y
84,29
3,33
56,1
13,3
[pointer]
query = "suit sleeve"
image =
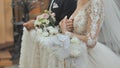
x,y
69,7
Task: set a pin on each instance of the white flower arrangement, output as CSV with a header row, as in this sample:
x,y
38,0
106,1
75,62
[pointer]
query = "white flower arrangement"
x,y
75,48
75,40
45,24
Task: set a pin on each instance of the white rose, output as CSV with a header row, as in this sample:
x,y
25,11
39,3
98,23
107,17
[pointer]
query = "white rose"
x,y
50,27
39,31
75,40
51,30
55,30
45,34
75,51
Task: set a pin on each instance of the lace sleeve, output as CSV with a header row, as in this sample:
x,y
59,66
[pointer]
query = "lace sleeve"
x,y
95,15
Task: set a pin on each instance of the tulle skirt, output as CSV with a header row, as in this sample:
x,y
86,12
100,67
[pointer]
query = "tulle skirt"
x,y
34,55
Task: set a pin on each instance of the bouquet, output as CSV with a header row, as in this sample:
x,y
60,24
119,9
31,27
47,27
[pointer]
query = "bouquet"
x,y
45,24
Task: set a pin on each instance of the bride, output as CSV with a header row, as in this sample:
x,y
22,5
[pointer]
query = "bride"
x,y
76,49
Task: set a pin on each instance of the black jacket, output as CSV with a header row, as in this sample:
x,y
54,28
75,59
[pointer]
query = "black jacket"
x,y
63,8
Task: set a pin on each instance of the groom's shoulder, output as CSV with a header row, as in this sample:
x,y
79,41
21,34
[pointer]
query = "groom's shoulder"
x,y
68,1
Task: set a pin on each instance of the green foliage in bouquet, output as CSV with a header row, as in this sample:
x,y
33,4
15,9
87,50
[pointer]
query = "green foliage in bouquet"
x,y
45,19
45,24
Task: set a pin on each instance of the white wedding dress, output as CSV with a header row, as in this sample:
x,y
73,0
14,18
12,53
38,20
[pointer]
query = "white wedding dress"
x,y
53,52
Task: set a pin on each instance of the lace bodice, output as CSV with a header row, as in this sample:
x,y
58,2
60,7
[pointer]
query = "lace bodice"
x,y
89,19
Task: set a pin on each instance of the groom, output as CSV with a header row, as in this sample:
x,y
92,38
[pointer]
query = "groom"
x,y
61,8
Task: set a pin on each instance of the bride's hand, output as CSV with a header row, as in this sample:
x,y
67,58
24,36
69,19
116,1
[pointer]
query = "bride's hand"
x,y
69,25
62,24
29,25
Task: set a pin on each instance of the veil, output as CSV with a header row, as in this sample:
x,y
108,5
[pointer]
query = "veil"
x,y
118,3
111,25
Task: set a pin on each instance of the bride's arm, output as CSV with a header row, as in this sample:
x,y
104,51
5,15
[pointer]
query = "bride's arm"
x,y
92,33
95,19
93,26
90,38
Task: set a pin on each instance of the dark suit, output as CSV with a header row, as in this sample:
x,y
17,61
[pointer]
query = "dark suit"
x,y
62,8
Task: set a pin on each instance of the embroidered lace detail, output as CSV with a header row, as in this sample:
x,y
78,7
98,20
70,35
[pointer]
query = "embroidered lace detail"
x,y
95,12
80,20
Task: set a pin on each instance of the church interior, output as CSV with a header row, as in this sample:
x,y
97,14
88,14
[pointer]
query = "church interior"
x,y
13,14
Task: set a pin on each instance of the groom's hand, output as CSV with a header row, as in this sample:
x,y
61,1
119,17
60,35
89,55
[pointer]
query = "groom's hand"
x,y
29,25
69,25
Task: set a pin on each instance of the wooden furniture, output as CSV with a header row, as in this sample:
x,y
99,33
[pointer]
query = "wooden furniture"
x,y
40,6
6,25
5,59
6,31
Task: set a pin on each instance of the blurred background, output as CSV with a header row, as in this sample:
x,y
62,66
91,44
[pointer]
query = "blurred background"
x,y
13,14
